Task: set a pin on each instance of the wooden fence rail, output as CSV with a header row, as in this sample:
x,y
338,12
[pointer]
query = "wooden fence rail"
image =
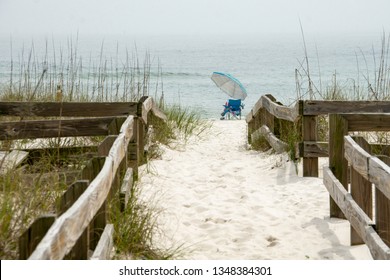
x,y
81,226
68,109
272,114
68,227
358,182
367,225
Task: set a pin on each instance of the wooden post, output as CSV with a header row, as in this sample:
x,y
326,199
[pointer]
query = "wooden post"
x,y
280,125
269,121
72,194
92,169
141,141
269,118
105,245
99,221
309,133
142,126
98,224
338,128
250,129
105,145
133,150
30,239
258,122
59,93
125,189
80,249
382,211
115,126
361,191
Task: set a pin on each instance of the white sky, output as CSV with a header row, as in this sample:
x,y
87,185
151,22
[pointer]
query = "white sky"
x,y
191,16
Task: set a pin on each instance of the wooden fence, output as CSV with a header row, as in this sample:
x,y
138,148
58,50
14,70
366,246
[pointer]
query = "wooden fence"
x,y
268,118
81,226
361,194
368,213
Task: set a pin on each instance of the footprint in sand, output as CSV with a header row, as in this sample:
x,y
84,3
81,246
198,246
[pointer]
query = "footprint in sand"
x,y
217,220
272,241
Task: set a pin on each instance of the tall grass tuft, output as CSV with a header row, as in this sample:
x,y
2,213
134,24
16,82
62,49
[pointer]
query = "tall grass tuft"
x,y
22,200
135,229
369,84
61,74
183,122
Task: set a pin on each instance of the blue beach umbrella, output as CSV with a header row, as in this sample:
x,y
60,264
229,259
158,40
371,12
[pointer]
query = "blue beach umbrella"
x,y
230,85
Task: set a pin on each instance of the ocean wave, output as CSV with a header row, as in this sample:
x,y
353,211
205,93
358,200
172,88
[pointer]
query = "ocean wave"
x,y
183,74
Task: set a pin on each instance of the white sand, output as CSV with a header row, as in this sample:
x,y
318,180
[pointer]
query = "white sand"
x,y
220,200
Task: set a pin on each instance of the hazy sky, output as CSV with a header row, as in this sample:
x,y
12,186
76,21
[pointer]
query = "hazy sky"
x,y
191,16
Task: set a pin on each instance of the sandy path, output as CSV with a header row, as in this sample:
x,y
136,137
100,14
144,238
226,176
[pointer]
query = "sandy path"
x,y
222,201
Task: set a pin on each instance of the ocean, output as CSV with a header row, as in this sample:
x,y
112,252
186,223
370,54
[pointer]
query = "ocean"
x,y
181,66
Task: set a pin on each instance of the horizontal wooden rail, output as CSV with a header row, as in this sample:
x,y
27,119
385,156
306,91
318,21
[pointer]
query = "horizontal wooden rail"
x,y
67,109
324,107
55,128
370,167
279,111
317,107
321,149
367,122
315,149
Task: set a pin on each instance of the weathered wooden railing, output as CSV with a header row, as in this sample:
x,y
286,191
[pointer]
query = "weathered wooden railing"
x,y
81,225
368,214
368,226
268,117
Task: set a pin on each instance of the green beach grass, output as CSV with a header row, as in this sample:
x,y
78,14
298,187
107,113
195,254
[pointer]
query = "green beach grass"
x,y
56,77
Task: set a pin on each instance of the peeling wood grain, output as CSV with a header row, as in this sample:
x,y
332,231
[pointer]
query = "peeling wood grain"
x,y
64,233
358,219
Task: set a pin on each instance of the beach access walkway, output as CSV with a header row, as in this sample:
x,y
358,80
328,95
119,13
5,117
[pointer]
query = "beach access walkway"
x,y
218,199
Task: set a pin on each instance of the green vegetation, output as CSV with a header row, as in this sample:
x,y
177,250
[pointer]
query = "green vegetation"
x,y
135,231
58,78
61,74
369,84
182,122
260,144
22,199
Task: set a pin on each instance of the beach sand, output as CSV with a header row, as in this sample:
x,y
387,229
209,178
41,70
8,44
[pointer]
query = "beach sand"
x,y
219,200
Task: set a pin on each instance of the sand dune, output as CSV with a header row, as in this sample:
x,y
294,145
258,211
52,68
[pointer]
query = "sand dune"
x,y
221,200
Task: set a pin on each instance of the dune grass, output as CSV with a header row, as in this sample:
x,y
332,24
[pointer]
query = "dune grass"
x,y
23,199
182,122
60,77
369,84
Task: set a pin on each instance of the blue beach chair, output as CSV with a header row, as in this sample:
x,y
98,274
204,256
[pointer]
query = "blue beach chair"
x,y
232,109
